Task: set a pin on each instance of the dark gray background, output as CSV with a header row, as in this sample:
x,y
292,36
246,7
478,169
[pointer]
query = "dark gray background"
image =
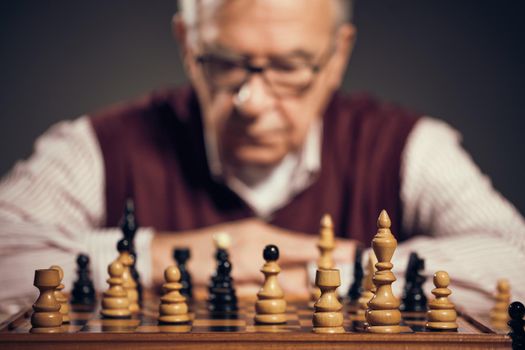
x,y
459,60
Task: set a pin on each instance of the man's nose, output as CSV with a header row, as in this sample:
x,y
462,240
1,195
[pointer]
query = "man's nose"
x,y
254,97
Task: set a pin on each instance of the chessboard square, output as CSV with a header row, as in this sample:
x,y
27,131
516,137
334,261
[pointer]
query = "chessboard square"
x,y
148,321
347,323
217,322
294,322
466,327
305,323
305,312
272,328
406,329
72,328
74,322
150,313
130,323
292,317
175,328
148,329
164,328
414,315
23,328
208,329
201,313
80,315
104,329
291,308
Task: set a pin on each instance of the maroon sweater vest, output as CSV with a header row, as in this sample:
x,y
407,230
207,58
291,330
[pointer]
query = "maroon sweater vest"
x,y
154,152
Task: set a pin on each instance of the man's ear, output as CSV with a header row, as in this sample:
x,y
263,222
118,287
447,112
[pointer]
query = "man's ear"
x,y
345,41
179,31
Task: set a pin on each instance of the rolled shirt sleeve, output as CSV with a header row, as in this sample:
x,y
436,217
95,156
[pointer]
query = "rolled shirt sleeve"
x,y
52,208
466,227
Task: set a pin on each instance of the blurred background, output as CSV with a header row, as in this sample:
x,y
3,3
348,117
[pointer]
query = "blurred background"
x,y
460,60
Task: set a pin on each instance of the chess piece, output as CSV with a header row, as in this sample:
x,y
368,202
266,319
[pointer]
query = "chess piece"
x,y
368,288
135,275
46,316
60,297
222,240
173,308
516,324
270,307
129,227
383,315
499,316
220,257
326,246
126,259
328,317
115,302
414,299
442,313
326,243
83,291
222,298
181,256
354,292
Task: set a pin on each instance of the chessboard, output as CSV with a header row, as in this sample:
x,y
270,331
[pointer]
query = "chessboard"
x,y
237,330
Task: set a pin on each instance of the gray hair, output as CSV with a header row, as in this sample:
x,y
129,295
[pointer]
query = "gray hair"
x,y
344,10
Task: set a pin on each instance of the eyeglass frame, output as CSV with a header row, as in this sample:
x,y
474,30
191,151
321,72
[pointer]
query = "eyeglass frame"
x,y
251,69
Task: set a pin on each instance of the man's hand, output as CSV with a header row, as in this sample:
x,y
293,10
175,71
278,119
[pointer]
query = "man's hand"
x,y
249,237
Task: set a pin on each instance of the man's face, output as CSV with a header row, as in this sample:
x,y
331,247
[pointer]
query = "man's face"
x,y
253,123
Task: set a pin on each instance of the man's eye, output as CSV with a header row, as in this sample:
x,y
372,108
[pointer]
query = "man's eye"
x,y
224,65
285,66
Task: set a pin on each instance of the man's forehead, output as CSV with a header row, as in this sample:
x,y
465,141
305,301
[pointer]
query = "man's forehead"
x,y
277,24
273,10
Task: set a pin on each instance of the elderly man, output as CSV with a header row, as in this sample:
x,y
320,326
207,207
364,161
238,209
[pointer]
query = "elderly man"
x,y
260,146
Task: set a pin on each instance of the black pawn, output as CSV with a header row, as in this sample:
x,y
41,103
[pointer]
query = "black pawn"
x,y
516,324
414,299
220,256
271,253
129,227
355,289
181,256
222,299
83,292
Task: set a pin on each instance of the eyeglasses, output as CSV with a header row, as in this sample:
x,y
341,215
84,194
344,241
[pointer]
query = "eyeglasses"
x,y
285,78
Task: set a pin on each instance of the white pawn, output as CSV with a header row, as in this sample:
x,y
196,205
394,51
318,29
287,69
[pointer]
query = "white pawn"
x,y
115,302
173,308
222,240
270,307
442,313
499,315
129,284
60,297
328,317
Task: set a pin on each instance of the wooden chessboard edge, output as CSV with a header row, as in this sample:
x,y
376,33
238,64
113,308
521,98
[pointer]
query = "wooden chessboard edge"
x,y
256,337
